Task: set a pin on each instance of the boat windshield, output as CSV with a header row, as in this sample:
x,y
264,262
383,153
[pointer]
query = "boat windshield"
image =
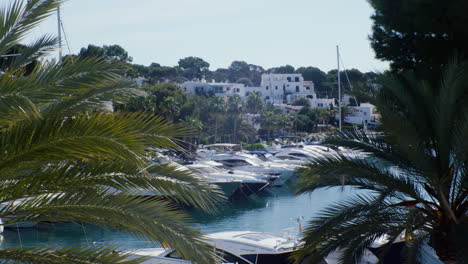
x,y
287,158
269,258
205,170
298,155
174,254
235,162
258,236
230,258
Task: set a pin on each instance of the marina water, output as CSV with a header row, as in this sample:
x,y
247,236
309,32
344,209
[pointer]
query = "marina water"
x,y
273,210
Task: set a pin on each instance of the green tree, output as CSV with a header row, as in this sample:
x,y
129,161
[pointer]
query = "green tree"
x,y
116,52
237,70
234,111
194,67
313,74
254,103
416,174
62,159
419,34
282,69
217,110
241,69
245,81
306,119
92,51
302,102
165,99
112,52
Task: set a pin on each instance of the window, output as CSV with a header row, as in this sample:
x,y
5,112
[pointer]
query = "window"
x,y
310,96
284,88
238,90
298,155
287,157
307,88
276,87
229,258
228,88
297,79
297,89
266,87
174,254
268,97
289,79
269,258
235,162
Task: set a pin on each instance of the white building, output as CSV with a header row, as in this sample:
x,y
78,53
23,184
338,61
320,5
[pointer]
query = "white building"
x,y
282,88
287,88
219,89
365,114
275,88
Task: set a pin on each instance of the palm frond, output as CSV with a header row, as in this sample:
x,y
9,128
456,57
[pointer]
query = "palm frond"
x,y
159,180
155,219
78,255
338,170
32,52
18,19
15,107
51,81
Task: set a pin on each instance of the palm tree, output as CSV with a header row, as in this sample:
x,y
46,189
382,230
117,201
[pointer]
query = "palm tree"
x,y
417,177
254,103
62,159
234,110
218,107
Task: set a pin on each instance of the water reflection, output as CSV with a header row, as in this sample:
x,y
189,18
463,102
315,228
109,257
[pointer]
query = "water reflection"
x,y
269,211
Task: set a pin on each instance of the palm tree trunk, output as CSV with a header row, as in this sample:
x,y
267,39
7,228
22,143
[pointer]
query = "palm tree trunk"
x,y
443,241
216,129
235,130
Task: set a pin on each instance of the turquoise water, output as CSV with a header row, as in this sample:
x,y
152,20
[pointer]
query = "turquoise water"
x,y
270,211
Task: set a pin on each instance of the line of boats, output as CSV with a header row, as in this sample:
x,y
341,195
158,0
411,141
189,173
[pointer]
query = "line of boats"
x,y
247,247
242,173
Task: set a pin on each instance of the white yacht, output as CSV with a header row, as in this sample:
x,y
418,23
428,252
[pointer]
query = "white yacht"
x,y
250,163
295,156
235,184
241,247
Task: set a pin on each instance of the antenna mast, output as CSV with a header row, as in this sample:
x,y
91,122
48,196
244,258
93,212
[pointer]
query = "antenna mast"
x,y
59,34
339,85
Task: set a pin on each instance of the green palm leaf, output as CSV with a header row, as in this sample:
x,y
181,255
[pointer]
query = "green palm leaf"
x,y
415,173
78,255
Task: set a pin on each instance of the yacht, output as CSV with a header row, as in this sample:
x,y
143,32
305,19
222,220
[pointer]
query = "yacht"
x,y
250,163
295,156
241,247
235,184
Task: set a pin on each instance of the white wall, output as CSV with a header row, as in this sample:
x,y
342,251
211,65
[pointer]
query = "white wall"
x,y
220,89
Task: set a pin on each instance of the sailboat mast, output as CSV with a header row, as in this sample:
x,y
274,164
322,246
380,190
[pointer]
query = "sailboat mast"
x,y
59,34
339,85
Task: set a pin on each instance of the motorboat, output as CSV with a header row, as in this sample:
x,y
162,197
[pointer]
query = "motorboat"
x,y
295,156
209,150
235,184
250,163
247,247
241,247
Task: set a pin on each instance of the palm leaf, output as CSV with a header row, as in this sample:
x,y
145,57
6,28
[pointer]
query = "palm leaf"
x,y
78,255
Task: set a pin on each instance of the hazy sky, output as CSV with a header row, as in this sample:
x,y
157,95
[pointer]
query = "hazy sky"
x,y
263,32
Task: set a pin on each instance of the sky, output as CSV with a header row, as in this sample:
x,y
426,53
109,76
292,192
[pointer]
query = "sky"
x,y
268,33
